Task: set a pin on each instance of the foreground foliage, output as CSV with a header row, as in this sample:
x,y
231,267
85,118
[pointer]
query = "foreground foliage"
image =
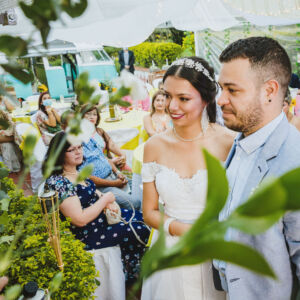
x,y
205,240
33,258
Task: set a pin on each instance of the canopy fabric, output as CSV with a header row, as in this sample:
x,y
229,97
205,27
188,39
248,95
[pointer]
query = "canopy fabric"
x,y
123,23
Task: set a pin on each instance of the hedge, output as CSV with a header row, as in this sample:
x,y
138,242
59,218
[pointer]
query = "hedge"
x,y
33,258
147,52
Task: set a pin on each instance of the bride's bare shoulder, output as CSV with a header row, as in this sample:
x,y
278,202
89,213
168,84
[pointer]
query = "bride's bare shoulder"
x,y
156,145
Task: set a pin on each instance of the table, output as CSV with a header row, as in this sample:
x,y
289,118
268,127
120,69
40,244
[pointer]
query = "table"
x,y
19,114
127,132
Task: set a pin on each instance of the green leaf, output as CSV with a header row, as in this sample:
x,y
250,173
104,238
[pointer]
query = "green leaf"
x,y
13,292
5,261
3,172
29,144
56,282
6,239
227,251
217,187
4,218
253,225
83,90
84,173
74,8
4,201
97,282
217,192
95,100
13,46
41,13
18,72
262,210
122,103
4,124
151,257
269,198
291,182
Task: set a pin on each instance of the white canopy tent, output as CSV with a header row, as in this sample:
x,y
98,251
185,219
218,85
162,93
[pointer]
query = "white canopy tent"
x,y
129,22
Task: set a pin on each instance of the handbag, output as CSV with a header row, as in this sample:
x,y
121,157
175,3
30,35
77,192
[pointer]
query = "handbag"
x,y
116,217
113,217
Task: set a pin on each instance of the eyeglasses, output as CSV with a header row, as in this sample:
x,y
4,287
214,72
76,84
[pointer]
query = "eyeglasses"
x,y
78,148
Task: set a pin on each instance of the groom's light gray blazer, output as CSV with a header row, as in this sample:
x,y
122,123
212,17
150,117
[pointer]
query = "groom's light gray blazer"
x,y
280,245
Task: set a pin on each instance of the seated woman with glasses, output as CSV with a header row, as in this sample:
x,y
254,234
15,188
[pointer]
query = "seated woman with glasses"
x,y
105,174
85,206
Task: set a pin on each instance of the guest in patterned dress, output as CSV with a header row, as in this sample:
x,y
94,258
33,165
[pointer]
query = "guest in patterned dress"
x,y
85,206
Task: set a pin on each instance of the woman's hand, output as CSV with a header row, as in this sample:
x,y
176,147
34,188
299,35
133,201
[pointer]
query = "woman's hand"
x,y
122,177
48,109
119,161
108,198
119,183
113,207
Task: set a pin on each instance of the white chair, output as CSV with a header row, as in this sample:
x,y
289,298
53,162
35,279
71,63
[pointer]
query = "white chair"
x,y
33,118
112,279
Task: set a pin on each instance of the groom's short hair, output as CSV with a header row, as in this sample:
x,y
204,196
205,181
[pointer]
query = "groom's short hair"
x,y
265,55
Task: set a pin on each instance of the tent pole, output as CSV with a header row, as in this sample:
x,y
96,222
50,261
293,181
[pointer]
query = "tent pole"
x,y
197,43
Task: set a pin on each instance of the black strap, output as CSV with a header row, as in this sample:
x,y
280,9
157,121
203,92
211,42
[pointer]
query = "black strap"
x,y
217,279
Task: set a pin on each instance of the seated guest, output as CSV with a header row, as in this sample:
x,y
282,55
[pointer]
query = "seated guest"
x,y
47,118
158,120
108,146
85,206
9,151
294,120
65,117
105,174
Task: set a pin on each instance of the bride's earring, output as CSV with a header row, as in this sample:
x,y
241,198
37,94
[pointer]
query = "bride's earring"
x,y
204,120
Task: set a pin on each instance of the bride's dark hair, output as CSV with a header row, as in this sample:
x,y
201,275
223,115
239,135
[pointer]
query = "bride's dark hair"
x,y
208,89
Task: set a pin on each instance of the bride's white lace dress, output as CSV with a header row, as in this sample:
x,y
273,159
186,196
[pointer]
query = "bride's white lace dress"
x,y
183,199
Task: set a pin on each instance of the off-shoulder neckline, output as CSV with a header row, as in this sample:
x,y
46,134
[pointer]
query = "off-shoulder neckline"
x,y
200,171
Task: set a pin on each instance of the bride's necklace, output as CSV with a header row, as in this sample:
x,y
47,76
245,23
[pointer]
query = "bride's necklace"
x,y
187,140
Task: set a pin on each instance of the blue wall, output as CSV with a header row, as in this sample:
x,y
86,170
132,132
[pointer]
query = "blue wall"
x,y
21,89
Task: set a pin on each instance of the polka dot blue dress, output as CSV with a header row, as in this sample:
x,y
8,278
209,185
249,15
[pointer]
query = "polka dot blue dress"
x,y
98,233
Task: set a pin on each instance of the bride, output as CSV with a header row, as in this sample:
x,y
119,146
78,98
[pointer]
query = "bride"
x,y
175,177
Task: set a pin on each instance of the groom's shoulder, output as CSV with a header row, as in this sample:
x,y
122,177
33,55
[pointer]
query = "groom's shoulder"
x,y
289,153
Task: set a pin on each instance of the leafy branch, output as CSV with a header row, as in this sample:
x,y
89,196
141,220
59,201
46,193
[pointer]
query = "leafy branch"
x,y
206,238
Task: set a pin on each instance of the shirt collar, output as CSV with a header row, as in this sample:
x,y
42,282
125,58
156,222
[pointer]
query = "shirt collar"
x,y
255,140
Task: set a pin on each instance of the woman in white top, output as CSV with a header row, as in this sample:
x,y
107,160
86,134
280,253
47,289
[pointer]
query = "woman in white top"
x,y
174,174
158,120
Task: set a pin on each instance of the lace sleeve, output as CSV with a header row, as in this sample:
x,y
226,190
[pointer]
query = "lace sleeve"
x,y
149,171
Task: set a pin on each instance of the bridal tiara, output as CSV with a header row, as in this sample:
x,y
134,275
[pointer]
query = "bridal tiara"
x,y
189,63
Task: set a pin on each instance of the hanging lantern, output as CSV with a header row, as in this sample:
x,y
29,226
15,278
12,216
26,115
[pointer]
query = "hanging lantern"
x,y
50,211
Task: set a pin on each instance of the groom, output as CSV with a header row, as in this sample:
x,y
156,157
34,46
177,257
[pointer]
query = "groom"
x,y
254,78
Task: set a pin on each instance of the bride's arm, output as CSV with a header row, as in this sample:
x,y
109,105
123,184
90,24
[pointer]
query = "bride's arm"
x,y
151,213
